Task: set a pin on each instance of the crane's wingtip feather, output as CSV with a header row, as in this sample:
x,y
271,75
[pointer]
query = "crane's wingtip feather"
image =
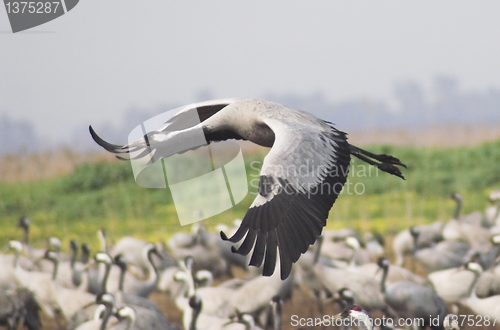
x,y
223,236
114,148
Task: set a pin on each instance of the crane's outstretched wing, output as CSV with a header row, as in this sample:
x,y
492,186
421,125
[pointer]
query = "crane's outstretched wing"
x,y
299,181
188,116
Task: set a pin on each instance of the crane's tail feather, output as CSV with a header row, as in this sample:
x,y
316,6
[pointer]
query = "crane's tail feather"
x,y
386,163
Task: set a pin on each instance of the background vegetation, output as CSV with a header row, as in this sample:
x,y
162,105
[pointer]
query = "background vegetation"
x,y
104,194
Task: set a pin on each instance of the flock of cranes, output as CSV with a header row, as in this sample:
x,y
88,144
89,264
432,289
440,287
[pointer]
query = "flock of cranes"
x,y
109,289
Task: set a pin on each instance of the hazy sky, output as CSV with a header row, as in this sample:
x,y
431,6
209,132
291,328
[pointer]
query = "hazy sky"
x,y
106,56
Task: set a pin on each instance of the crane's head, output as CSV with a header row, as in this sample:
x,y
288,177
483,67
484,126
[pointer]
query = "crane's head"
x,y
195,302
495,239
102,233
126,312
54,244
414,231
73,245
474,267
51,255
151,249
277,303
494,196
16,246
180,276
85,248
475,257
23,223
456,196
346,295
120,261
383,263
186,264
204,276
103,257
106,298
353,243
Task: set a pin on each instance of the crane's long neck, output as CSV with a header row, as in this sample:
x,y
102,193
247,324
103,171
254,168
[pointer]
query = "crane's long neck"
x,y
191,290
472,289
131,322
16,259
152,269
352,260
415,241
249,324
494,252
73,258
277,315
26,236
84,281
106,316
317,252
385,270
85,256
194,317
181,300
104,284
102,241
123,270
458,209
497,212
55,261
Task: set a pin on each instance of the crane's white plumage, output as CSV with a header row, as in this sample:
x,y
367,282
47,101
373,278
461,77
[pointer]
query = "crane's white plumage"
x,y
300,178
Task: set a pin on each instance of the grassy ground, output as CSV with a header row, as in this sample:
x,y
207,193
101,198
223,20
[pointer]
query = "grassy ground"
x,y
103,193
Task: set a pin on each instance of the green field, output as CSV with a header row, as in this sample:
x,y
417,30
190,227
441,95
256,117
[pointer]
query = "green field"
x,y
104,194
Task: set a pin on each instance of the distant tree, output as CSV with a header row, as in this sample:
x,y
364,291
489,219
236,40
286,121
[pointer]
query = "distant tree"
x,y
445,87
410,96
